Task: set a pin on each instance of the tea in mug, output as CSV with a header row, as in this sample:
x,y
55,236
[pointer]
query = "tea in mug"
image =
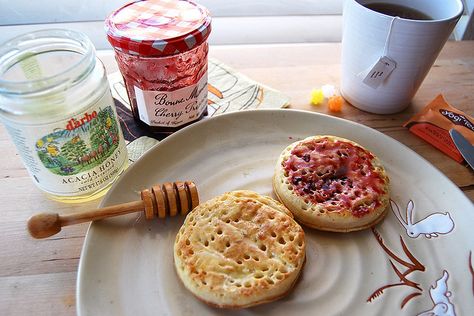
x,y
398,10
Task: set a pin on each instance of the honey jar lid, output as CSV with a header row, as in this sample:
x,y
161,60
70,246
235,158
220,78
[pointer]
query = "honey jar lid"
x,y
158,27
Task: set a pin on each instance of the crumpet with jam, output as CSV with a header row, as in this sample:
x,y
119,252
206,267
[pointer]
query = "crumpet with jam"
x,y
331,183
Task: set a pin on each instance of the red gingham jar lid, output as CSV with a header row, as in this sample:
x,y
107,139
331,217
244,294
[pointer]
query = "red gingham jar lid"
x,y
158,27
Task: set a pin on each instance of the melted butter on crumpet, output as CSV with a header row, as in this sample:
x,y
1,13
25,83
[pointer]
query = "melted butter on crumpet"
x,y
239,249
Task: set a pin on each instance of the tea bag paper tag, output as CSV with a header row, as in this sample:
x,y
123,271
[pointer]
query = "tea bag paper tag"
x,y
379,72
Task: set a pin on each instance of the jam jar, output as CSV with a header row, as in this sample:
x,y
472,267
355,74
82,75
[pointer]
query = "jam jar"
x,y
56,104
161,49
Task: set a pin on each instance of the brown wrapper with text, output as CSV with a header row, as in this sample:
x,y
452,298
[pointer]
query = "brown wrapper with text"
x,y
434,122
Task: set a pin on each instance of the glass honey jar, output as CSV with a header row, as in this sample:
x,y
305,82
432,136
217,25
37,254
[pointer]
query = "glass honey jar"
x,y
56,104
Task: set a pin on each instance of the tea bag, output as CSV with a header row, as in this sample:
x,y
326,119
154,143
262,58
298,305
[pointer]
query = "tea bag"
x,y
434,122
384,65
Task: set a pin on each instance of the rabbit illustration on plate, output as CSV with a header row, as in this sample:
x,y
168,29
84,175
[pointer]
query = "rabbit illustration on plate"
x,y
433,225
440,296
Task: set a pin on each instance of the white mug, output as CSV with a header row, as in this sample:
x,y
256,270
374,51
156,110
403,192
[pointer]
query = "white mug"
x,y
410,47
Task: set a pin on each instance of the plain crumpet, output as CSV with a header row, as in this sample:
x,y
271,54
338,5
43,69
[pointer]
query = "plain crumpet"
x,y
239,249
332,184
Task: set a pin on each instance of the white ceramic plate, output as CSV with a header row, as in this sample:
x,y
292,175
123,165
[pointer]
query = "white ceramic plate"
x,y
126,266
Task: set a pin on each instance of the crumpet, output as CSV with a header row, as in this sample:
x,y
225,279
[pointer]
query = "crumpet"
x,y
331,183
239,249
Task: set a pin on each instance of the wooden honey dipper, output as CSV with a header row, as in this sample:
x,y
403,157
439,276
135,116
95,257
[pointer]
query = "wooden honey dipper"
x,y
160,201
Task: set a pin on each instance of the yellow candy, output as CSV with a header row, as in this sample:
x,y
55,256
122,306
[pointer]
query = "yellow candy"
x,y
317,96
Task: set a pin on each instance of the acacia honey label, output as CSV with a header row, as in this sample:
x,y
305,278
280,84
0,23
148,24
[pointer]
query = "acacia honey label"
x,y
75,156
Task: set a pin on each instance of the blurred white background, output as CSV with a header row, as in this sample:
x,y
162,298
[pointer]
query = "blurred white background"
x,y
234,22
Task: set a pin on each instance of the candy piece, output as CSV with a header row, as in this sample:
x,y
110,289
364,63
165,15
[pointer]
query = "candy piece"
x,y
317,96
335,103
328,90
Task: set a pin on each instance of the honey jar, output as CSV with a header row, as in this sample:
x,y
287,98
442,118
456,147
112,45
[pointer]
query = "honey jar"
x,y
161,49
56,104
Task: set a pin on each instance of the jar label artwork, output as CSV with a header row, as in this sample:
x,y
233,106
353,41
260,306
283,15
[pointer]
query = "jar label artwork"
x,y
172,108
76,156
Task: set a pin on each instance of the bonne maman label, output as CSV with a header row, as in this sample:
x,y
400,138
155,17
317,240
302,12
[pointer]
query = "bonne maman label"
x,y
172,108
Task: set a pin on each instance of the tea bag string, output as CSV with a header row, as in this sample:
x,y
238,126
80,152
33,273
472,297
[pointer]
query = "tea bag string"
x,y
385,47
389,35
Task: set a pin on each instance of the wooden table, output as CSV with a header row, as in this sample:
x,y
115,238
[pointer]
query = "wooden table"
x,y
39,276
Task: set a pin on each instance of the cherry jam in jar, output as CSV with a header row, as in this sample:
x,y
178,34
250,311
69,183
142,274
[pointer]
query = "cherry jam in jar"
x,y
161,49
